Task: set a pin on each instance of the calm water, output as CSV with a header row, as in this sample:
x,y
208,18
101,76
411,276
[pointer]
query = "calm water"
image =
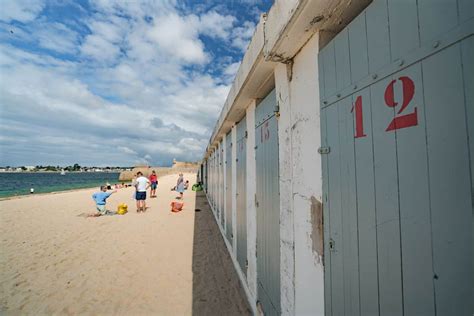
x,y
20,183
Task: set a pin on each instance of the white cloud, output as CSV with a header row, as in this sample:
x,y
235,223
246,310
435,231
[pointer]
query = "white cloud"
x,y
216,25
242,35
57,37
178,37
100,49
127,150
138,91
231,69
111,29
20,10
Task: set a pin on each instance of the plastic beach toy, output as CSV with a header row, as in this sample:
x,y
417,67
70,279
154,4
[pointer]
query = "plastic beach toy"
x,y
122,209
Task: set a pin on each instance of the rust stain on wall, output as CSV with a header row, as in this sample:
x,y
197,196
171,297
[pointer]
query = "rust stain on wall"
x,y
317,227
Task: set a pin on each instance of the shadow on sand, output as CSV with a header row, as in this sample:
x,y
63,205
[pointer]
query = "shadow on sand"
x,y
216,287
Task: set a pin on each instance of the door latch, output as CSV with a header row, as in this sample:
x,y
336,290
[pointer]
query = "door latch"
x,y
331,244
324,150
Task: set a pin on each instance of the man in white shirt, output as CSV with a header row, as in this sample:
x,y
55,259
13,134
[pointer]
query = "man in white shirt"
x,y
141,185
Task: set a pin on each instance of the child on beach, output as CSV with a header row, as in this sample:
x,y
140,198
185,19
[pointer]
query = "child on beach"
x,y
154,183
180,186
100,198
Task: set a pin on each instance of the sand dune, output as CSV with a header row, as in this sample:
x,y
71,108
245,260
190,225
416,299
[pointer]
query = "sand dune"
x,y
56,262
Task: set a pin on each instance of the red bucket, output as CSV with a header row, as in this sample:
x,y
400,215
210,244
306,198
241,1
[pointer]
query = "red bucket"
x,y
177,206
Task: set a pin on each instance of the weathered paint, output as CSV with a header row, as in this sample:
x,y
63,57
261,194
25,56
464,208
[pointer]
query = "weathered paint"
x,y
306,174
251,186
287,234
317,228
302,276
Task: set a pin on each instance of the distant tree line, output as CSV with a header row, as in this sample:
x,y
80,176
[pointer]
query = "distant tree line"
x,y
76,167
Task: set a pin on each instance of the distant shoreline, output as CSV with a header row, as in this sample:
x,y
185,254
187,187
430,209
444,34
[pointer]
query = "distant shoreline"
x,y
22,196
108,171
18,184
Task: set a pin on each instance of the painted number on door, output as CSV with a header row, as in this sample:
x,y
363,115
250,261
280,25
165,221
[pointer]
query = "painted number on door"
x,y
359,121
406,120
264,132
402,119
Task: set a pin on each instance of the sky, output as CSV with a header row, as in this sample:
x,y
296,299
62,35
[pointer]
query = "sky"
x,y
116,83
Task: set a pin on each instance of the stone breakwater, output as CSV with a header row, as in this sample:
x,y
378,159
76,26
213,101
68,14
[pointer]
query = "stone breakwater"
x,y
160,171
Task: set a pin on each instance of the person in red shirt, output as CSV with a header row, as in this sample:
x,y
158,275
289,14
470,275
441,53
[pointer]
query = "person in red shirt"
x,y
154,183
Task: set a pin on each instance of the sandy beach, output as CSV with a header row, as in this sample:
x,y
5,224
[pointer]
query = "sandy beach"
x,y
55,261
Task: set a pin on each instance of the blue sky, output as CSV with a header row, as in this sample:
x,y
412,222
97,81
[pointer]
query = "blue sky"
x,y
116,82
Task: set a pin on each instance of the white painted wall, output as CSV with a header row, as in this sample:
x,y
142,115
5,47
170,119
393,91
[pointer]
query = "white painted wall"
x,y
301,183
224,182
307,185
287,244
219,187
251,178
234,189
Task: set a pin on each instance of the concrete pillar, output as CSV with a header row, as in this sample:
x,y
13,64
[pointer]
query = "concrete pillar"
x,y
224,182
251,179
301,183
287,259
307,185
218,186
234,189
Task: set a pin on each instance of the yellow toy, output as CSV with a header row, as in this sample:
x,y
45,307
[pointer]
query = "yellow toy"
x,y
122,209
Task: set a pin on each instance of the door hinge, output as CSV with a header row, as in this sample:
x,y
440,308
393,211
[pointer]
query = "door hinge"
x,y
324,150
256,201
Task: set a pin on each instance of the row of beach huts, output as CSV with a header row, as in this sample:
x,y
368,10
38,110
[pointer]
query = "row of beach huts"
x,y
340,170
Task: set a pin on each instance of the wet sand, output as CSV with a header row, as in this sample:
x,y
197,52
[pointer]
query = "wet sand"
x,y
54,261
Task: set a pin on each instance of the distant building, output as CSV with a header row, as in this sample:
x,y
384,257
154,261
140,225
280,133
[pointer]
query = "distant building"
x,y
30,168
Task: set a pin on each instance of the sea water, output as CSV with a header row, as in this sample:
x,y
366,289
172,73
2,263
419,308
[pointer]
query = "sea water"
x,y
20,183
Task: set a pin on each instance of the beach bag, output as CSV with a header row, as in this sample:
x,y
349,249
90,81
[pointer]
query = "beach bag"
x,y
122,209
196,187
177,207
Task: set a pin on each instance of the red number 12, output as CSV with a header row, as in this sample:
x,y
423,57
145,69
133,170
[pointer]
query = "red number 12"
x,y
400,121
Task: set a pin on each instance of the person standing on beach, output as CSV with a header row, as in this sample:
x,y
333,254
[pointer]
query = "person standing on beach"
x,y
154,183
141,185
100,199
180,185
